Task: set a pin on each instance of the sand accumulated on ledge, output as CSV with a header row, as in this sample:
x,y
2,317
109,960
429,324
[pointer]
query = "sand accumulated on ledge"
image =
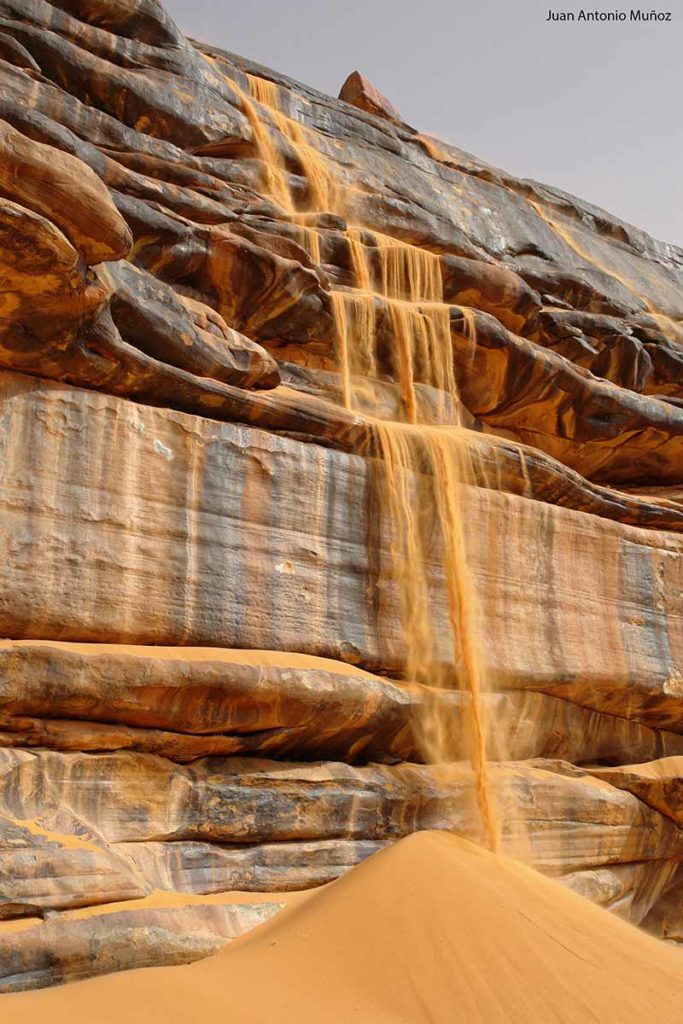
x,y
433,930
227,655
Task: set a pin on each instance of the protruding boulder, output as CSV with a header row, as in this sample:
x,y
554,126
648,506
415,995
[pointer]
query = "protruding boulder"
x,y
63,189
183,332
360,92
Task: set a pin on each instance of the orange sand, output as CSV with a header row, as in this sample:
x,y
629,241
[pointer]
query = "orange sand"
x,y
229,655
160,899
433,930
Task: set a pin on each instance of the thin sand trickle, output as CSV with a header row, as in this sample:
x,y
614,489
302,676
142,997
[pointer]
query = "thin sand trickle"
x,y
433,930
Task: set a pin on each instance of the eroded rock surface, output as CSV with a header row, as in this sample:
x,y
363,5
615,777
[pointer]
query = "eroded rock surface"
x,y
360,92
68,948
202,676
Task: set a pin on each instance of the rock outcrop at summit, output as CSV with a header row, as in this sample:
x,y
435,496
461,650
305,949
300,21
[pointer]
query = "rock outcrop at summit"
x,y
360,92
203,677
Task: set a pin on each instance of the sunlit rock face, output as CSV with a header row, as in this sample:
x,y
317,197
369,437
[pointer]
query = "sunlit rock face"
x,y
361,93
204,680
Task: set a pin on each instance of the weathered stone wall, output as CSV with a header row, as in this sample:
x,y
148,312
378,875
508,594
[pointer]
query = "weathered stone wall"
x,y
201,678
125,524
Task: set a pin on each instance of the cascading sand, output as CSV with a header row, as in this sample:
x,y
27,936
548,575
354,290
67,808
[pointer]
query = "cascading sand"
x,y
394,325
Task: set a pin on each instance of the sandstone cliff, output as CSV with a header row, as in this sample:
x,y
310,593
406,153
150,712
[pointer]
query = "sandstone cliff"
x,y
205,679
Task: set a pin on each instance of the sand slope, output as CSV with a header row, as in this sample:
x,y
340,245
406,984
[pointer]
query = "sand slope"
x,y
431,931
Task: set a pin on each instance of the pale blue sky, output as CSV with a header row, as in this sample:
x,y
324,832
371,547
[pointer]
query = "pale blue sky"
x,y
594,109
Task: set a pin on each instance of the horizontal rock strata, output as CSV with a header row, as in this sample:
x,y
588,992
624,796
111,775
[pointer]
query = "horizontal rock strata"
x,y
581,599
65,949
187,702
579,821
185,200
659,784
202,676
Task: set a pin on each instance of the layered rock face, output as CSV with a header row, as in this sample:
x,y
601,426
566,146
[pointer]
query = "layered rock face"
x,y
204,676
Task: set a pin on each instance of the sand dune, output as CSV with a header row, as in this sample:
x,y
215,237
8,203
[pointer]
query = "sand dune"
x,y
433,930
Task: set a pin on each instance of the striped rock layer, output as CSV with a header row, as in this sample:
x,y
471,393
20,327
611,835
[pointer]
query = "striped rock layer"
x,y
203,685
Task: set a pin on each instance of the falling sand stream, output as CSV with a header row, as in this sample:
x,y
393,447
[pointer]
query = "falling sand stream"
x,y
395,323
432,928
